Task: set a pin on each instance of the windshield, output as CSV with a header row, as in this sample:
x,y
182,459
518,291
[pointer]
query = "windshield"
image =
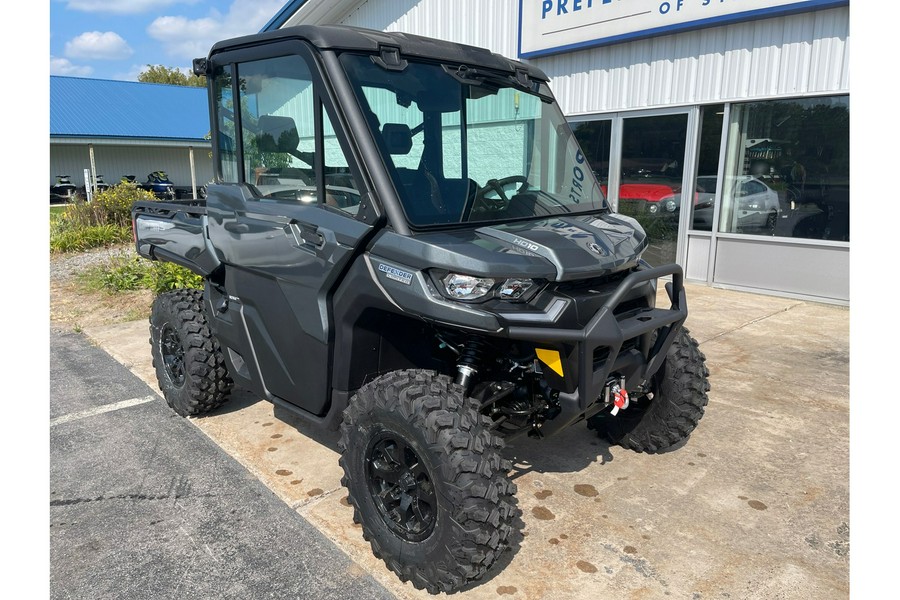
x,y
466,145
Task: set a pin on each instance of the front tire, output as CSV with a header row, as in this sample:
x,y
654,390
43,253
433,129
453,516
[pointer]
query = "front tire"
x,y
189,365
426,479
679,400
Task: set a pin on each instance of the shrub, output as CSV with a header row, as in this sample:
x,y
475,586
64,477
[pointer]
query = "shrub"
x,y
113,205
103,222
124,274
169,276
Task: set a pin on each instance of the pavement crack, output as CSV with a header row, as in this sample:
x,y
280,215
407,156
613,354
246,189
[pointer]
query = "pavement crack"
x,y
753,322
101,498
300,503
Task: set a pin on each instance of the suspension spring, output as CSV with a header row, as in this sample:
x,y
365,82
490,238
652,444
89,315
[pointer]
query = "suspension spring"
x,y
469,360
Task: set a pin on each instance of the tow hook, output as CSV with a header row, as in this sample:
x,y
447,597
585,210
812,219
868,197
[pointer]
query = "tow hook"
x,y
617,395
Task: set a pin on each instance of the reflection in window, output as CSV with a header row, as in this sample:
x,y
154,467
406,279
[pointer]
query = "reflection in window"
x,y
653,150
278,127
594,139
788,169
225,124
706,182
278,122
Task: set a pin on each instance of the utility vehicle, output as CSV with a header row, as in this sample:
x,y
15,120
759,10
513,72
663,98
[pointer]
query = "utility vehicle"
x,y
404,241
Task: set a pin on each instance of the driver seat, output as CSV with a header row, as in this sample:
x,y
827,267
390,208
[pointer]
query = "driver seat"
x,y
429,199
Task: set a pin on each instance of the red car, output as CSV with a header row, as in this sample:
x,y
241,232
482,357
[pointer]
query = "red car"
x,y
646,198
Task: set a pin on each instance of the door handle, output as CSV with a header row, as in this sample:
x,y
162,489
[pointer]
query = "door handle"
x,y
306,235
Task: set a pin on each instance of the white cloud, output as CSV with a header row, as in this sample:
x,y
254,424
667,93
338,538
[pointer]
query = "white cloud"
x,y
122,7
186,39
63,66
98,45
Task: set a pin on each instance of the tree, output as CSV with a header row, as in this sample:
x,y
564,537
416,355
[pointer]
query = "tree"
x,y
170,76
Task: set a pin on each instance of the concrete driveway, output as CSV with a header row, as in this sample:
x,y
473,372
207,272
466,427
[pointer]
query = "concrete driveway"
x,y
753,506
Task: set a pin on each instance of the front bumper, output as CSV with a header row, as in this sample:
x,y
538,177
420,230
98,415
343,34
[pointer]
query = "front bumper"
x,y
598,347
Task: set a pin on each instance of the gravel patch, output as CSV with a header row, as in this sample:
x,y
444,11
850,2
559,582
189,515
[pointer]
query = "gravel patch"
x,y
64,267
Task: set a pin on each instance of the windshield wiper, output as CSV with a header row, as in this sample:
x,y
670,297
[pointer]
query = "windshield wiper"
x,y
472,76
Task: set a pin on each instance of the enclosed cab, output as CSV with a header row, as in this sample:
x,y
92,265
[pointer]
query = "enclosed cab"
x,y
404,240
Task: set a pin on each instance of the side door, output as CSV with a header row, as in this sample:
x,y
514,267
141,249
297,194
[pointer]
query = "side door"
x,y
287,221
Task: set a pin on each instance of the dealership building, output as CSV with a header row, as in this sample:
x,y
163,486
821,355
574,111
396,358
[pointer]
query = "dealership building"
x,y
741,107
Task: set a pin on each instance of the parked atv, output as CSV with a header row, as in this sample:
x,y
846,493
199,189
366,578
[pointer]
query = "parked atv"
x,y
469,286
63,191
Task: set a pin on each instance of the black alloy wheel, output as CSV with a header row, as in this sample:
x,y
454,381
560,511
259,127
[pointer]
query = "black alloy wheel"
x,y
426,479
401,487
188,360
172,352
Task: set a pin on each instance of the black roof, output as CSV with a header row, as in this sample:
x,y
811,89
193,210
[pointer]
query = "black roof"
x,y
342,37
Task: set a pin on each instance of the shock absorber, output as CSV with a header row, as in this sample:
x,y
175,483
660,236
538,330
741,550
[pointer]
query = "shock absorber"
x,y
469,360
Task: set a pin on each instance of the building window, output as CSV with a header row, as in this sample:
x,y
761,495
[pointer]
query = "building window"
x,y
787,169
594,138
706,182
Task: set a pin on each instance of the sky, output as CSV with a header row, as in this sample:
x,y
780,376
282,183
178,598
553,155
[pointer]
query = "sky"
x,y
117,39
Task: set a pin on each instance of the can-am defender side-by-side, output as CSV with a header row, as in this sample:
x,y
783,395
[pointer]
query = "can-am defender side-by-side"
x,y
405,241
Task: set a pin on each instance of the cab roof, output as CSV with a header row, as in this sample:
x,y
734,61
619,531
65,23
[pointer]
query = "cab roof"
x,y
342,37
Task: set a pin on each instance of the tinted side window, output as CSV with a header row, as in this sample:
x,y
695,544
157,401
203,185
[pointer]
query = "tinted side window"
x,y
279,110
225,124
278,127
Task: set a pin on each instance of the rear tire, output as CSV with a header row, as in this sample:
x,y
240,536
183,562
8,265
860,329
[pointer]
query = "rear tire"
x,y
189,365
679,400
426,479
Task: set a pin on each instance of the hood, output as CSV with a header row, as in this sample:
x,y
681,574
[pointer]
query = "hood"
x,y
556,249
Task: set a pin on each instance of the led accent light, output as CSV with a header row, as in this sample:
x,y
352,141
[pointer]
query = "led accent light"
x,y
513,289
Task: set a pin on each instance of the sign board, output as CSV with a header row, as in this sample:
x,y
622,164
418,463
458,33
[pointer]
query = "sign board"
x,y
554,26
88,186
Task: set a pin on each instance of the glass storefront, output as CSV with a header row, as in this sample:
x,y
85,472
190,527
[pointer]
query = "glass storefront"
x,y
787,169
651,171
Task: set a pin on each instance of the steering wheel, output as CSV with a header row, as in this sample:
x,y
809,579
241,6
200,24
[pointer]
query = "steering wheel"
x,y
498,186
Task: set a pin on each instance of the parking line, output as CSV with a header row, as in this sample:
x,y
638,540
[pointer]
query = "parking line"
x,y
99,410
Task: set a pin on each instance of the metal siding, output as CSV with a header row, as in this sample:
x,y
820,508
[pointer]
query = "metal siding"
x,y
820,272
806,53
115,161
697,262
787,56
492,25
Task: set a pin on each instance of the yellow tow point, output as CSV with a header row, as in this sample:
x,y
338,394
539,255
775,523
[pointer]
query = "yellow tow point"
x,y
551,359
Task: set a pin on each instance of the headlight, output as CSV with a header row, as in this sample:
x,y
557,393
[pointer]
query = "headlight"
x,y
466,287
670,205
652,208
513,289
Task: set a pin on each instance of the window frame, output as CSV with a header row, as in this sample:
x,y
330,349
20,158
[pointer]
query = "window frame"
x,y
322,104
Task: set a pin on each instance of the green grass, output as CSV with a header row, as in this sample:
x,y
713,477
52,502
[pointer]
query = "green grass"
x,y
124,274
